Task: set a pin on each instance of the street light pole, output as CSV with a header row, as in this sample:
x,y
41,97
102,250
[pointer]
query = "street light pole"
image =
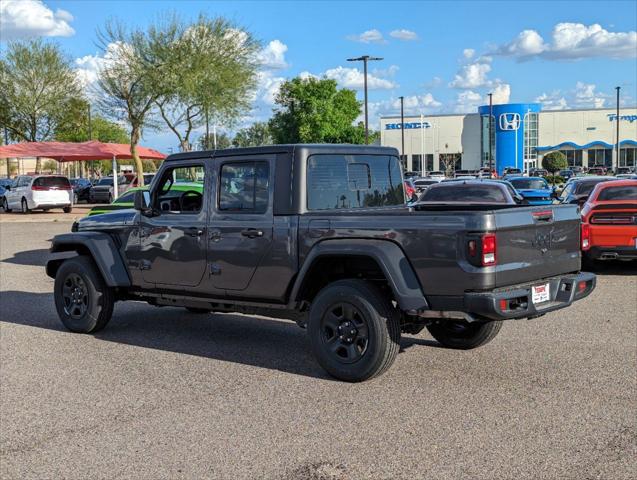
x,y
617,120
365,59
490,133
402,128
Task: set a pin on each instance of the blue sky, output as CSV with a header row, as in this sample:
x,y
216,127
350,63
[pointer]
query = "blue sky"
x,y
444,57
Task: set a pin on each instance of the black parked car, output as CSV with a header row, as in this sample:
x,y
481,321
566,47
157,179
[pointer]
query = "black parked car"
x,y
81,189
578,189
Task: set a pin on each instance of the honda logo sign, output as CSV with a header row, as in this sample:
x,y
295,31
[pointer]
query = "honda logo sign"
x,y
509,121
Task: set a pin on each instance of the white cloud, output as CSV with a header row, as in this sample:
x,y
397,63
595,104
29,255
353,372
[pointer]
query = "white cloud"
x,y
571,41
369,36
354,78
473,75
31,18
587,97
268,87
413,105
404,34
273,55
552,101
89,66
468,53
434,82
501,93
468,101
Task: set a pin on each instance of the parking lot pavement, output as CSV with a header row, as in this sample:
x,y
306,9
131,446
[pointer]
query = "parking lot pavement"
x,y
162,393
37,216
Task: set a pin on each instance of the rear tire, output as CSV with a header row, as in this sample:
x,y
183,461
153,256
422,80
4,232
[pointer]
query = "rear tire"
x,y
354,330
5,206
462,335
67,209
25,206
83,300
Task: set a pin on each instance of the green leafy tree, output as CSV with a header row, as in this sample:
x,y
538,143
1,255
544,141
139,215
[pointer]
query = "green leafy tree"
x,y
126,82
75,128
311,110
207,70
223,141
50,166
38,88
253,136
554,161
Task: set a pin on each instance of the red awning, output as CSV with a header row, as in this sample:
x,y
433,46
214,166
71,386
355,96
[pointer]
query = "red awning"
x,y
76,152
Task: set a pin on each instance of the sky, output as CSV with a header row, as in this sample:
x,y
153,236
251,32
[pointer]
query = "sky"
x,y
443,57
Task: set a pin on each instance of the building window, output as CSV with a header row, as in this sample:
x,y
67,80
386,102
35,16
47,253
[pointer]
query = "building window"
x,y
530,137
600,156
429,158
403,162
416,163
627,157
484,138
450,162
573,157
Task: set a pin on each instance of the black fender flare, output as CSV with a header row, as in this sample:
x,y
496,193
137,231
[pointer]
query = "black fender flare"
x,y
102,250
389,256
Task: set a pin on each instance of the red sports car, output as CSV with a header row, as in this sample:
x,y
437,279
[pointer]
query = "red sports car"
x,y
609,221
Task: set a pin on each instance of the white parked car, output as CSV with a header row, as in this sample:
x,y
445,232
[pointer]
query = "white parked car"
x,y
42,192
436,174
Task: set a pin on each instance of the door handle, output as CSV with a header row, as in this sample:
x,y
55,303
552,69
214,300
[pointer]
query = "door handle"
x,y
194,232
252,233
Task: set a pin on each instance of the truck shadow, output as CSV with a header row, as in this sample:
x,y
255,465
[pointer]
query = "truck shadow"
x,y
611,267
29,257
249,340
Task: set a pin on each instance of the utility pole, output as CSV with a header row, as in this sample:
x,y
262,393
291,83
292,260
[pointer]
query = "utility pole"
x,y
402,129
490,133
617,126
365,59
90,134
6,142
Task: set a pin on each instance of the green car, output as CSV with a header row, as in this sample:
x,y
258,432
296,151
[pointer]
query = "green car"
x,y
128,197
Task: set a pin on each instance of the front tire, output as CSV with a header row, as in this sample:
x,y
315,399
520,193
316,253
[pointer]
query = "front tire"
x,y
462,335
354,330
83,300
68,209
5,206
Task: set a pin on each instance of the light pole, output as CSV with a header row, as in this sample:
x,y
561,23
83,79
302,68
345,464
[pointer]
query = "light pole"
x,y
423,157
402,129
365,59
490,133
617,120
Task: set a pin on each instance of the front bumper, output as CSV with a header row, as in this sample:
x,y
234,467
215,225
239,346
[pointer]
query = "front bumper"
x,y
517,299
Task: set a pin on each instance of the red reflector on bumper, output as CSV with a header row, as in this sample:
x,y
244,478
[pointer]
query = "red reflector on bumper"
x,y
581,286
504,304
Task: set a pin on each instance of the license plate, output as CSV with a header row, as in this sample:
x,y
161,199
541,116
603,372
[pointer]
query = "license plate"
x,y
541,293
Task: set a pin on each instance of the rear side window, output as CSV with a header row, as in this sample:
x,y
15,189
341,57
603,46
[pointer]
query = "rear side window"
x,y
52,182
628,192
585,188
353,181
243,187
464,193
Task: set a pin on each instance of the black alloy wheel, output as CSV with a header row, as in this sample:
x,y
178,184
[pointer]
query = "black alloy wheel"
x,y
345,332
75,296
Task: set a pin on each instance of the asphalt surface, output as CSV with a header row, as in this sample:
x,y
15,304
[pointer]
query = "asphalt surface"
x,y
163,394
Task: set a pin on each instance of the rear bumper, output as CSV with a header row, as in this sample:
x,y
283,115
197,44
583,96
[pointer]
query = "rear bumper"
x,y
612,253
39,205
563,291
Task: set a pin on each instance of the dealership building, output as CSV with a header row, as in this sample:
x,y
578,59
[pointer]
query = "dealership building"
x,y
521,134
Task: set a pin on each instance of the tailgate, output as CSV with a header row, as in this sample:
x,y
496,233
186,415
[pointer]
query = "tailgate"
x,y
536,242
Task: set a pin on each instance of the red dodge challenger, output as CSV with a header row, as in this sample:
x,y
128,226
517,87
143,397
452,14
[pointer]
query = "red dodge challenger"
x,y
609,221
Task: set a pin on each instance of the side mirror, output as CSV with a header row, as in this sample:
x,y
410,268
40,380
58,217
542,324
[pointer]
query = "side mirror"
x,y
142,200
8,187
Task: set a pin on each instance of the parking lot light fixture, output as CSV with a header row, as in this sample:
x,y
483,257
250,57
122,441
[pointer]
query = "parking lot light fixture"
x,y
365,59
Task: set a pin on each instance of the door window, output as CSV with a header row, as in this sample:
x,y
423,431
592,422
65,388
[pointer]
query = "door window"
x,y
243,187
181,190
24,182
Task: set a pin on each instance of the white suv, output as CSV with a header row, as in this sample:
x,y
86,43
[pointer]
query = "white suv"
x,y
39,192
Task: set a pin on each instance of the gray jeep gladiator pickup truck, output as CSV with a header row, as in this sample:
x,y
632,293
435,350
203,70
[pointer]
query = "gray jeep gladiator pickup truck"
x,y
320,234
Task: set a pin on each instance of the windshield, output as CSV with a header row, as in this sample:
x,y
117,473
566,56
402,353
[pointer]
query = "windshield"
x,y
529,183
464,193
625,192
105,181
424,183
585,188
